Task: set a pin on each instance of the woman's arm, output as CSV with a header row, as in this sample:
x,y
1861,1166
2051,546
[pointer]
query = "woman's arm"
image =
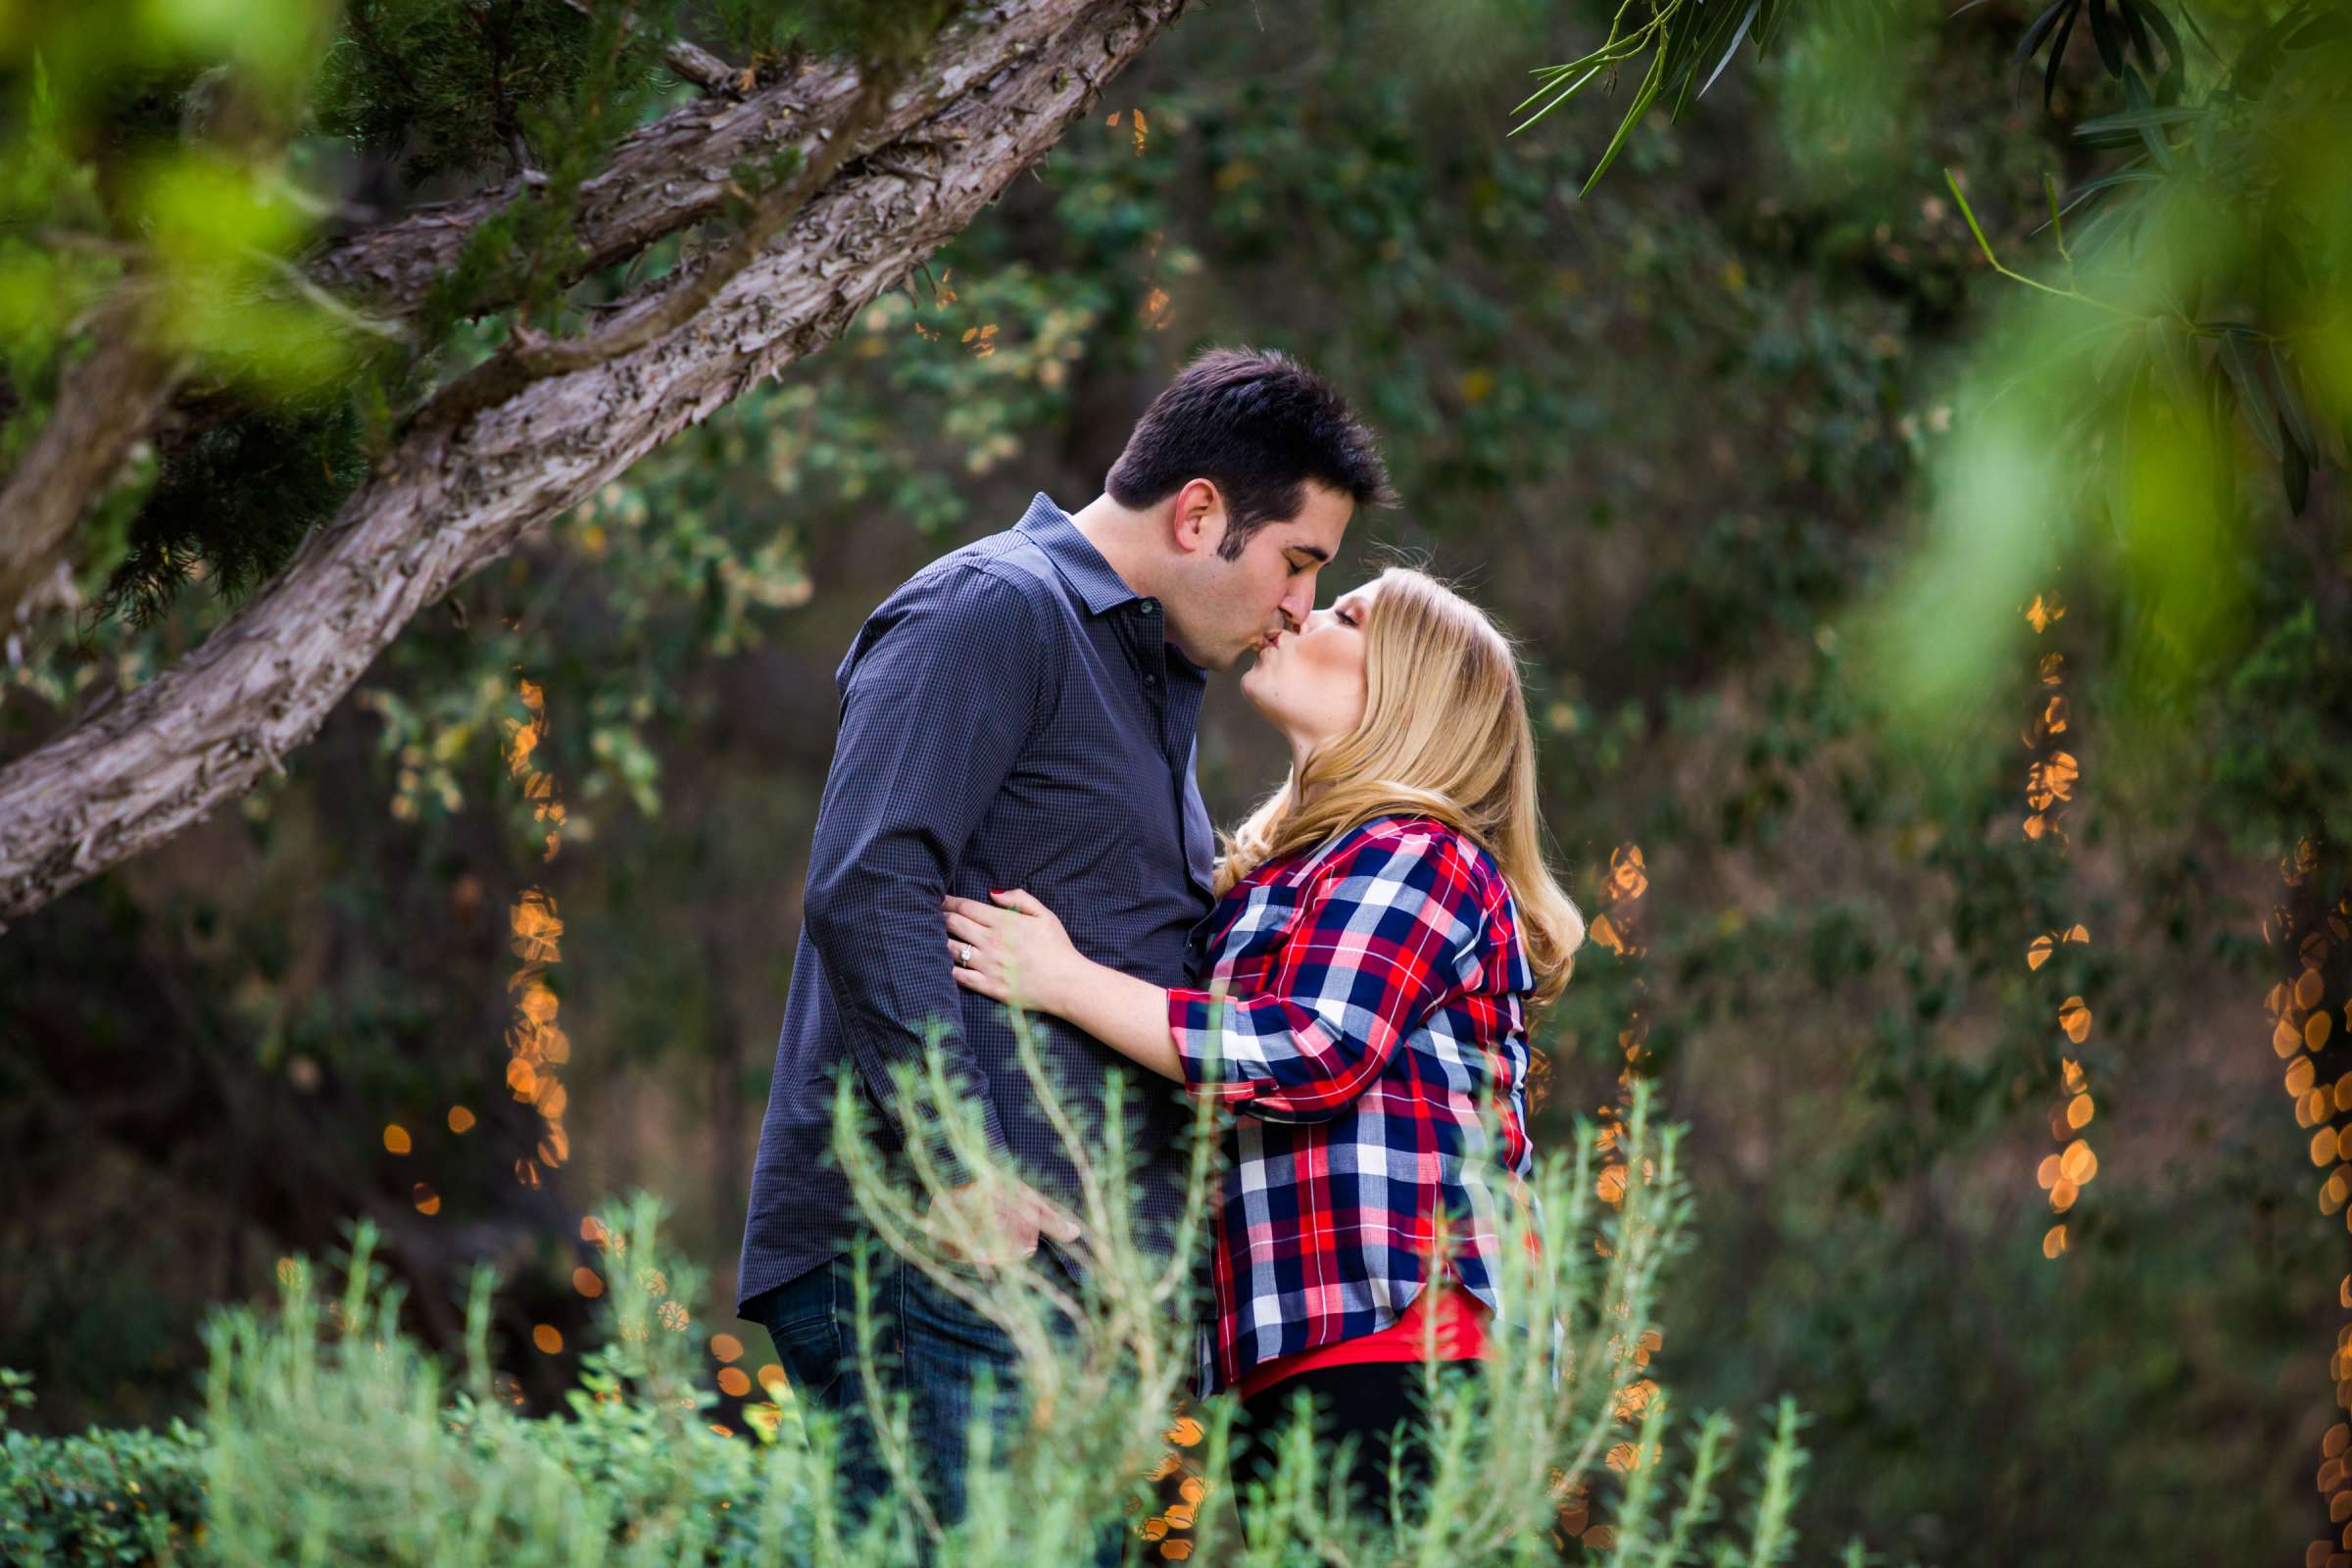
x,y
1383,933
1127,1014
1017,946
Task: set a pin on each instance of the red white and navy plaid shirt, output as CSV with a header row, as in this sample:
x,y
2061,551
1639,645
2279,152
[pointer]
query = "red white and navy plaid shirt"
x,y
1365,998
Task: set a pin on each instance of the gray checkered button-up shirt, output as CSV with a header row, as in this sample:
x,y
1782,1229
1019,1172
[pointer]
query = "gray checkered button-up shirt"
x,y
1012,716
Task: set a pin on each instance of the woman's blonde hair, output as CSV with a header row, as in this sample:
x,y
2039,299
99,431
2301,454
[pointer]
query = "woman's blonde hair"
x,y
1444,734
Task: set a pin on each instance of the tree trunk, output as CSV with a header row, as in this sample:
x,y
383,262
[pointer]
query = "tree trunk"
x,y
453,497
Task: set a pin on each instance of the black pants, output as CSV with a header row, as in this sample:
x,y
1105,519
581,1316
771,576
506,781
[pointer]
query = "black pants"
x,y
1367,1403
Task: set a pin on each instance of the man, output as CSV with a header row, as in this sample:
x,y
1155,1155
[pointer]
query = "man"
x,y
1021,714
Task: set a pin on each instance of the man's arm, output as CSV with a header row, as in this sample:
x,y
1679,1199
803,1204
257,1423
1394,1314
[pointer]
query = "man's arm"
x,y
938,704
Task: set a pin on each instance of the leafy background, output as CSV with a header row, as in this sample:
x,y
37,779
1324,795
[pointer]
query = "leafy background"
x,y
1677,435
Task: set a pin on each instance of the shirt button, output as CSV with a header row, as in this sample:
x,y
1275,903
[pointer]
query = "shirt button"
x,y
1149,606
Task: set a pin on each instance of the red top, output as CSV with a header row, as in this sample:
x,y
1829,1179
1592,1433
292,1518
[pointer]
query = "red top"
x,y
1461,1337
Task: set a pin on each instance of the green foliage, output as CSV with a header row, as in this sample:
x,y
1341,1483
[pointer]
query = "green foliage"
x,y
328,1429
884,31
452,88
1675,434
42,287
329,1433
2287,766
229,506
1687,42
103,1497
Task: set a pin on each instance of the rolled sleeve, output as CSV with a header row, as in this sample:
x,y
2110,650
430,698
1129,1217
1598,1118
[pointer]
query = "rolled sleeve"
x,y
938,697
1382,937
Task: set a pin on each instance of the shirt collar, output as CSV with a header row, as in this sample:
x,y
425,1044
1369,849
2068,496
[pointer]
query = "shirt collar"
x,y
1098,587
1075,556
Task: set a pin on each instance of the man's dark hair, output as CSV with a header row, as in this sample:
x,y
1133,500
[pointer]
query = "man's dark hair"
x,y
1257,425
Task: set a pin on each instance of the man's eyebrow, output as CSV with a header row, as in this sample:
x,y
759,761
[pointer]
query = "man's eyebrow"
x,y
1321,554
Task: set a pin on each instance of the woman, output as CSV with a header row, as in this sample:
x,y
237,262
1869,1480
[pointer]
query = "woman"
x,y
1385,927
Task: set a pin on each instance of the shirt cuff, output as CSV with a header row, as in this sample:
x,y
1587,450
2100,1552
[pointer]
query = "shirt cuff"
x,y
1197,1024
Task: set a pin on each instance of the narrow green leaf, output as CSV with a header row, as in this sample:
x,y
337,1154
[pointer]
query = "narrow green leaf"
x,y
2102,34
2253,398
1733,47
1633,115
1559,98
2049,75
1551,76
2167,86
2320,31
2138,175
2136,102
2295,469
2040,28
1952,183
2135,119
2135,34
2290,403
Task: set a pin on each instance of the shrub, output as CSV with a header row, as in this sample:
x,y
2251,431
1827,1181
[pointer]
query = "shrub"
x,y
97,1498
329,1436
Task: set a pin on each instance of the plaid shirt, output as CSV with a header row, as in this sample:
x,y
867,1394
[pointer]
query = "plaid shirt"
x,y
1365,997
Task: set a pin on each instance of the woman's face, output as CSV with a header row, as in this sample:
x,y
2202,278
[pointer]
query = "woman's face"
x,y
1309,683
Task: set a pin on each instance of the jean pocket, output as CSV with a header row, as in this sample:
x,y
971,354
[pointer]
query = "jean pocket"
x,y
806,1326
980,1282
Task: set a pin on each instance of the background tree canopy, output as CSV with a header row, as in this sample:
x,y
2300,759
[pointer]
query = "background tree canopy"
x,y
1944,708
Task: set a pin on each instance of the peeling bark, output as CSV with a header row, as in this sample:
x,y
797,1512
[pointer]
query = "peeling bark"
x,y
673,173
452,495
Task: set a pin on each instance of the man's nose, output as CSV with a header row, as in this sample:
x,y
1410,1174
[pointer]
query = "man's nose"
x,y
1297,605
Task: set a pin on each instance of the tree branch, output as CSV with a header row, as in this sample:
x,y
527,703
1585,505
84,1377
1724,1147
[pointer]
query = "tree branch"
x,y
674,172
532,356
691,61
107,403
451,497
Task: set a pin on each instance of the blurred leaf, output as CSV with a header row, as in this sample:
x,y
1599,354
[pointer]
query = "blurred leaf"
x,y
2049,75
2253,397
2102,34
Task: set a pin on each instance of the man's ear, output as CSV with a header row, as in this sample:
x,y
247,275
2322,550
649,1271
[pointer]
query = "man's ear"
x,y
1198,520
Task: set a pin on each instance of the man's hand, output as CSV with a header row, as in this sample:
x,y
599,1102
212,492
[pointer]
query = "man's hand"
x,y
991,1223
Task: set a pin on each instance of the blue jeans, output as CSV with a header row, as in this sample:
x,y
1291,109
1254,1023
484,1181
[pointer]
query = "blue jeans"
x,y
928,1345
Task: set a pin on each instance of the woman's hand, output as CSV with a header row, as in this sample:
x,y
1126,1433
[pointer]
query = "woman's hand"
x,y
1013,949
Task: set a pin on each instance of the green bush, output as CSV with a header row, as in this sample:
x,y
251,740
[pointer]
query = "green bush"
x,y
100,1497
329,1436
